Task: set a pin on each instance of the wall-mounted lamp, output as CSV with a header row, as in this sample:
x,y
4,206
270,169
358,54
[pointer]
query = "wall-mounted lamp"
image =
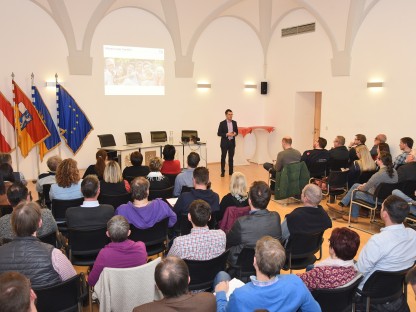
x,y
377,84
203,86
51,83
250,86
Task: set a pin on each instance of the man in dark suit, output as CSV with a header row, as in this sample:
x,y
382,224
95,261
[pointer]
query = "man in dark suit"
x,y
227,130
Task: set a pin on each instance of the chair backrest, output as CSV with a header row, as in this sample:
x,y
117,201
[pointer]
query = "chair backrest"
x,y
45,193
114,200
133,137
186,188
154,238
106,140
60,206
119,289
49,238
62,297
337,299
384,190
171,177
303,245
158,136
5,209
337,164
231,214
409,188
365,176
318,168
291,180
87,242
244,265
202,273
165,193
337,179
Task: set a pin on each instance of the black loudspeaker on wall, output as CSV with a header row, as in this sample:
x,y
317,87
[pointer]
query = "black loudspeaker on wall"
x,y
263,89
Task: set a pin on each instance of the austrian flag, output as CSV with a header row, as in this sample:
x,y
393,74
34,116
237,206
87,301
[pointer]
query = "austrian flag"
x,y
7,141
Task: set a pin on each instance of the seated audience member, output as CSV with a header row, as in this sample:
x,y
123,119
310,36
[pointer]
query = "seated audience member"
x,y
394,248
407,173
316,156
113,183
90,215
411,278
43,264
48,177
16,194
170,164
386,174
143,213
382,147
68,181
380,138
238,195
268,290
120,253
311,218
364,163
6,180
98,168
6,158
136,169
185,178
247,230
157,180
202,243
16,294
338,269
359,139
200,191
338,155
172,279
405,145
287,156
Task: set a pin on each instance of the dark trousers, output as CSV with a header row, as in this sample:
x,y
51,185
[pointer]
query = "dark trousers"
x,y
230,149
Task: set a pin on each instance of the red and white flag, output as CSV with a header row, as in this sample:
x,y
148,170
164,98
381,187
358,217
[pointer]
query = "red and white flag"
x,y
7,141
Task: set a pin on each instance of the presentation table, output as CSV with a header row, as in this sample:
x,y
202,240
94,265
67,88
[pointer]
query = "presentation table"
x,y
261,154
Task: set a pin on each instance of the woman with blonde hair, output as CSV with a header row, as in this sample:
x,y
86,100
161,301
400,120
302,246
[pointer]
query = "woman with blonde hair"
x,y
98,168
157,180
364,163
68,181
238,193
113,183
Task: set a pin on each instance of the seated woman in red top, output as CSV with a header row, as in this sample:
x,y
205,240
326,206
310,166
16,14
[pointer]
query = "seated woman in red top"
x,y
113,183
170,164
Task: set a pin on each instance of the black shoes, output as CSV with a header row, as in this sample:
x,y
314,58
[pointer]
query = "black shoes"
x,y
222,175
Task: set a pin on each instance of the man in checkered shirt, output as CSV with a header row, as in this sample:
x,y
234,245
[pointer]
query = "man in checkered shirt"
x,y
202,243
406,145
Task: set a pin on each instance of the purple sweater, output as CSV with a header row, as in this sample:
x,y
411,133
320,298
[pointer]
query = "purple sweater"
x,y
146,217
127,254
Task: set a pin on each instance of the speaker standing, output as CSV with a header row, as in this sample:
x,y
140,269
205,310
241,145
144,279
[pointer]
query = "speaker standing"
x,y
227,130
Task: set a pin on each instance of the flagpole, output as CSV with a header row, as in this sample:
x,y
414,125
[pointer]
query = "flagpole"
x,y
37,145
57,111
15,134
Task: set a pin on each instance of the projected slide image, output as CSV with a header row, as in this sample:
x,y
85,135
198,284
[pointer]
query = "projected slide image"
x,y
134,71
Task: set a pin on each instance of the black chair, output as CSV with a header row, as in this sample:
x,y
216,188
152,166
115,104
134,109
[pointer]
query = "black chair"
x,y
158,136
337,164
133,137
108,140
165,193
5,209
202,273
154,238
171,177
84,245
318,168
339,299
114,200
244,268
382,287
301,249
336,183
59,208
186,189
49,238
129,178
45,200
64,297
365,176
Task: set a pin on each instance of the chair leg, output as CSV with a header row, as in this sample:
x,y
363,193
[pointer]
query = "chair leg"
x,y
90,290
367,304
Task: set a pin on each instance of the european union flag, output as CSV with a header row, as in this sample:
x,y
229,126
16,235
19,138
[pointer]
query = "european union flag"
x,y
72,122
54,139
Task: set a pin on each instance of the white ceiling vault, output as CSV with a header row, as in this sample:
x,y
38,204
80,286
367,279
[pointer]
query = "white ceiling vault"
x,y
186,20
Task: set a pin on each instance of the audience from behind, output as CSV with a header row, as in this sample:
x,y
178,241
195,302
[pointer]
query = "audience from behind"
x,y
172,279
142,213
113,183
201,191
120,253
268,290
406,145
157,180
380,138
136,169
91,214
359,139
185,178
202,243
411,279
247,230
338,269
170,164
311,218
6,158
98,168
48,177
287,156
316,156
68,181
238,196
16,194
394,248
16,294
43,264
338,155
364,163
386,174
7,179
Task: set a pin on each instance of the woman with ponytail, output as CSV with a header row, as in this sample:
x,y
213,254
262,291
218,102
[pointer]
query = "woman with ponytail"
x,y
98,168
